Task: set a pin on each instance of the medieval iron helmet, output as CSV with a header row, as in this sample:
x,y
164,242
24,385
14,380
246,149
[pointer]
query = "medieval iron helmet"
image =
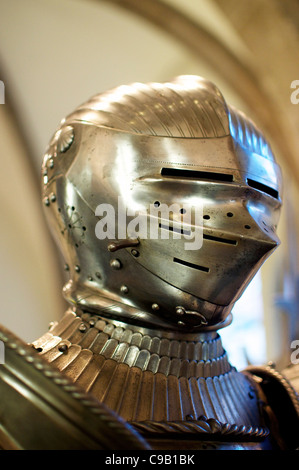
x,y
146,146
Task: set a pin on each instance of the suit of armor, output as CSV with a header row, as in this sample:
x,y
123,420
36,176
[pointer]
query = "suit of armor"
x,y
164,201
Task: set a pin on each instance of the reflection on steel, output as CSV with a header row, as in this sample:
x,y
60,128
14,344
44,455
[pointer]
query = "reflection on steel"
x,y
170,144
239,71
141,340
53,410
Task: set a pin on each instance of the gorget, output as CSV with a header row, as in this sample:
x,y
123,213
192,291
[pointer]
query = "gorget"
x,y
167,385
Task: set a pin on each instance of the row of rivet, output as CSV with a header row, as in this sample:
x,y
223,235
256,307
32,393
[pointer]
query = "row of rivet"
x,y
116,264
78,269
191,350
49,199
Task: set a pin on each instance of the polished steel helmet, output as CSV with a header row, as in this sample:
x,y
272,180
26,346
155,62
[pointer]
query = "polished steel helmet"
x,y
125,156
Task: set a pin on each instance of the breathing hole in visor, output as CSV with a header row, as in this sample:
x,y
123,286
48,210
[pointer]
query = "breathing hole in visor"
x,y
197,175
182,231
263,187
219,239
191,265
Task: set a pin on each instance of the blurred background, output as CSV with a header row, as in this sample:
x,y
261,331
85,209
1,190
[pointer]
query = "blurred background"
x,y
55,54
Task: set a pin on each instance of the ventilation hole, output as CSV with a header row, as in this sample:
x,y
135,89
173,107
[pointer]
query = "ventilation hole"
x,y
84,228
73,208
69,226
264,188
135,253
207,217
191,265
230,214
247,226
175,229
156,203
183,211
220,240
39,349
200,175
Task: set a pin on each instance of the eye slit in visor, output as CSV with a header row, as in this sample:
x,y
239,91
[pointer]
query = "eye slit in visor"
x,y
263,187
197,175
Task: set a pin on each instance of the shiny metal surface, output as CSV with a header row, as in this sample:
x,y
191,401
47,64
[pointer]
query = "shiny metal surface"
x,y
142,336
177,393
149,379
245,70
40,409
152,144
